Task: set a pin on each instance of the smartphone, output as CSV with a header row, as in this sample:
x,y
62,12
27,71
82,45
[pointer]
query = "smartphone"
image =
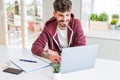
x,y
12,70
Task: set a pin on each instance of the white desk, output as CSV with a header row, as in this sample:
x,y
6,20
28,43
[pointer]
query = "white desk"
x,y
104,69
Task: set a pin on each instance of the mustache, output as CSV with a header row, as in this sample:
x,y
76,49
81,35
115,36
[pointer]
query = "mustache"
x,y
63,20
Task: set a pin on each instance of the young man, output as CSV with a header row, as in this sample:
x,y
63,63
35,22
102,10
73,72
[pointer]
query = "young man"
x,y
60,31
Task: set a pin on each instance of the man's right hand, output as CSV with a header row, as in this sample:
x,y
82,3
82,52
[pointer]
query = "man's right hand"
x,y
53,56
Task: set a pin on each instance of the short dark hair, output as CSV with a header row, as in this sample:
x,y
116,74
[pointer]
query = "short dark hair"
x,y
62,5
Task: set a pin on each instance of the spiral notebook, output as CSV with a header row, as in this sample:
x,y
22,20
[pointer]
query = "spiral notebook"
x,y
26,65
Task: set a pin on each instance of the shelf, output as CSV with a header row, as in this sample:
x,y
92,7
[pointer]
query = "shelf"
x,y
105,34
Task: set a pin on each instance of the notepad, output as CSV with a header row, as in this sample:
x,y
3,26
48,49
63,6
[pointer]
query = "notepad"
x,y
29,66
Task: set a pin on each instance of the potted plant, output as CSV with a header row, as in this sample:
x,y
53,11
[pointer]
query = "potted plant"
x,y
103,17
99,22
115,17
37,26
94,17
56,71
113,24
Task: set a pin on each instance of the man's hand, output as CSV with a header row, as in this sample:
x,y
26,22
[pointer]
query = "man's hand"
x,y
54,56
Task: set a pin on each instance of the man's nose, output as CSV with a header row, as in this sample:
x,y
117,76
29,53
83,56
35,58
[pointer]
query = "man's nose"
x,y
64,18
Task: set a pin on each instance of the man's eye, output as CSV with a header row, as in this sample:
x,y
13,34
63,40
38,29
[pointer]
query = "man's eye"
x,y
67,15
60,15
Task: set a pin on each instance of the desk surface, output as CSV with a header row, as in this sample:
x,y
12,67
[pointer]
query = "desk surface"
x,y
104,69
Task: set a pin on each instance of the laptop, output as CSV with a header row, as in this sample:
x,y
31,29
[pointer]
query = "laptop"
x,y
78,58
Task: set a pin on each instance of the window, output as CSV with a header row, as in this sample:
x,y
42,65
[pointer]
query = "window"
x,y
86,9
108,6
98,6
23,21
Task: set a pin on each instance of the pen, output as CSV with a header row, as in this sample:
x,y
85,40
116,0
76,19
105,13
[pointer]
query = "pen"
x,y
25,60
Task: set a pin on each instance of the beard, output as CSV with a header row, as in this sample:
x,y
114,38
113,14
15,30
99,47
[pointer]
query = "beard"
x,y
62,21
63,26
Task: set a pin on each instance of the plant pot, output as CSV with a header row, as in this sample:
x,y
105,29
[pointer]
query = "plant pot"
x,y
98,25
31,25
56,76
113,27
37,27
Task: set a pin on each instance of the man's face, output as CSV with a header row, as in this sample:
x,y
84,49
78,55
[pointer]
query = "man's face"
x,y
63,18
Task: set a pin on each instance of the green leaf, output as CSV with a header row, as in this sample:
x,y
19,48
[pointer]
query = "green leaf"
x,y
56,67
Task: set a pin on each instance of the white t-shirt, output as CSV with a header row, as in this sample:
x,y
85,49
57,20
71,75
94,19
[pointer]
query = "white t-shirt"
x,y
62,36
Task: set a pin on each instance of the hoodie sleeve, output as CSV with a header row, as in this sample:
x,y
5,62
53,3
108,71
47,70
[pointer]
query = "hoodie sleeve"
x,y
39,43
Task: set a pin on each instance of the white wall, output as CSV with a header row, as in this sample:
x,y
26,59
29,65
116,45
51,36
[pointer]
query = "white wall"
x,y
47,9
76,8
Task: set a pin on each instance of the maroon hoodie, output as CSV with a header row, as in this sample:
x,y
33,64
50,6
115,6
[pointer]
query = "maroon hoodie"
x,y
75,36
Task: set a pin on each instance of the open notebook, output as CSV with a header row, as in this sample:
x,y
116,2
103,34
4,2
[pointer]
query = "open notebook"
x,y
29,66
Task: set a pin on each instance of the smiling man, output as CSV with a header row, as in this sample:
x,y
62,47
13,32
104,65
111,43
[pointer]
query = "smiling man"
x,y
60,31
